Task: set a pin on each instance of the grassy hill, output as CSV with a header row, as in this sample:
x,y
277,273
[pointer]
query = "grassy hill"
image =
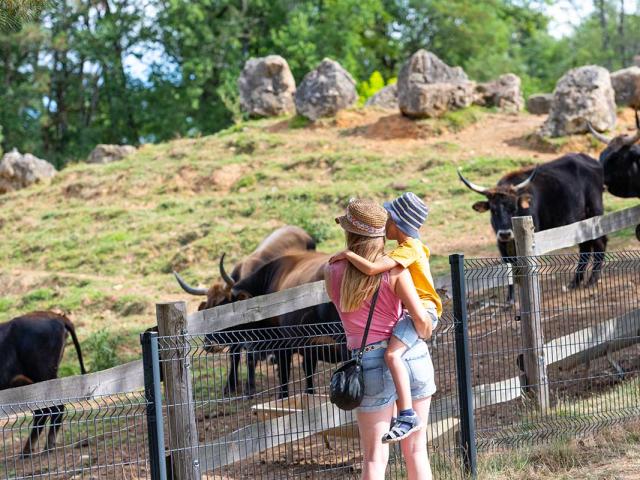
x,y
101,240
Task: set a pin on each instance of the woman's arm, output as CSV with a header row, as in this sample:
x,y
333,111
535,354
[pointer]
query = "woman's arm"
x,y
383,264
406,291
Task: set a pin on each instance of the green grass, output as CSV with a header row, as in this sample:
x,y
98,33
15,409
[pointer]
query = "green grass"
x,y
104,239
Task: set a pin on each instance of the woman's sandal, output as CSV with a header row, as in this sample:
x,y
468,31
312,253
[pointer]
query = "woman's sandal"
x,y
402,428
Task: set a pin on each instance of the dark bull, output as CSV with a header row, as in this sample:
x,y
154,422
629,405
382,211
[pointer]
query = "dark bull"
x,y
620,162
314,332
556,193
31,348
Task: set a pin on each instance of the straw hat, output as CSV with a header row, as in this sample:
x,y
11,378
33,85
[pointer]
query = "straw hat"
x,y
364,217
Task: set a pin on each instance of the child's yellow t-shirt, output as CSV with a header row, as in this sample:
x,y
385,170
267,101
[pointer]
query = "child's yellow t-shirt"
x,y
414,255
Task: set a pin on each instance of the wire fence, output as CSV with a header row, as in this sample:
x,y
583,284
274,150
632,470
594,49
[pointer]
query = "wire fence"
x,y
252,401
590,338
247,427
102,438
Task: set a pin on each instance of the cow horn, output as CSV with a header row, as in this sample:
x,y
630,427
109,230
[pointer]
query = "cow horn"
x,y
527,181
188,288
597,134
472,186
636,137
227,279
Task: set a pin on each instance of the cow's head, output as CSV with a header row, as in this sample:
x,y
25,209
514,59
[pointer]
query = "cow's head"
x,y
219,293
504,202
615,160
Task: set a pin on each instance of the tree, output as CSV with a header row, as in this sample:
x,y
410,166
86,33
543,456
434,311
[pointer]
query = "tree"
x,y
14,13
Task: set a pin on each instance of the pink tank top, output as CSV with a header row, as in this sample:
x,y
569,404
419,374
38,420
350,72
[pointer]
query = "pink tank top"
x,y
385,316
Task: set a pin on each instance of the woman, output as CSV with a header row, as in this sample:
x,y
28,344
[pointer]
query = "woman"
x,y
351,292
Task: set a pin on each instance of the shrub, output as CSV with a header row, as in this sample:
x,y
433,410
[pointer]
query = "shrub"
x,y
368,88
101,350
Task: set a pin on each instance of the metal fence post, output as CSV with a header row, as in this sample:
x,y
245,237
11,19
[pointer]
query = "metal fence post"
x,y
463,365
534,363
181,417
153,396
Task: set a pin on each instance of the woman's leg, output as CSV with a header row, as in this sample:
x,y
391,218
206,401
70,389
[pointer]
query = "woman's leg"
x,y
414,448
372,425
399,373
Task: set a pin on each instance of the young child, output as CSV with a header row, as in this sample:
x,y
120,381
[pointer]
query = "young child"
x,y
407,213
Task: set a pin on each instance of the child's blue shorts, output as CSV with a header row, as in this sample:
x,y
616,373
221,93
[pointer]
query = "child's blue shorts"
x,y
406,332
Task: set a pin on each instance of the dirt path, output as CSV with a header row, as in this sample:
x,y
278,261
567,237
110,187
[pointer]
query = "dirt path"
x,y
497,134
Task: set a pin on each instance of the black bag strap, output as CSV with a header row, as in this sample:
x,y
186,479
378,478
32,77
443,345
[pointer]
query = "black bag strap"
x,y
374,299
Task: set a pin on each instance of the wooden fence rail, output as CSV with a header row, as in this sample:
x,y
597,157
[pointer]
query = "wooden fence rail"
x,y
129,377
589,229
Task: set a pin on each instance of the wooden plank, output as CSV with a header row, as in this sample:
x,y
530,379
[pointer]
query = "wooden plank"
x,y
290,300
590,229
123,378
535,367
594,342
181,417
321,416
259,436
257,308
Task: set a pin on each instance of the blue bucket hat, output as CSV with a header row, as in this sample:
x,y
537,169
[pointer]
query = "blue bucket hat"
x,y
408,212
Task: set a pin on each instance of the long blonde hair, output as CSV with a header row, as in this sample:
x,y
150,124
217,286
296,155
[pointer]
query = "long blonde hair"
x,y
356,286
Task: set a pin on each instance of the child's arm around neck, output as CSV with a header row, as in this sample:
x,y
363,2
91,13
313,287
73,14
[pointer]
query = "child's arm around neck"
x,y
383,264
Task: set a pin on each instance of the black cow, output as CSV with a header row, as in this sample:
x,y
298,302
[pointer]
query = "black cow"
x,y
620,161
315,332
556,193
284,240
31,348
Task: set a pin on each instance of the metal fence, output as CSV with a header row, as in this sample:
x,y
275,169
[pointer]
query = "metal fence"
x,y
246,429
589,346
252,402
102,438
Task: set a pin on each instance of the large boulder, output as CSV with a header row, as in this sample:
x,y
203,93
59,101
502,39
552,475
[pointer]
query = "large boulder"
x,y
18,171
267,87
539,103
385,98
503,93
626,85
436,99
109,153
325,91
428,87
582,95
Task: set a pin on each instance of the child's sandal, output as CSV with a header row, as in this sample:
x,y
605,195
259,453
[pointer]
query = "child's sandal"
x,y
402,428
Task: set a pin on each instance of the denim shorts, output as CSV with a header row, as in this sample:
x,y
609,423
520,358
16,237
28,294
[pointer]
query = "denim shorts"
x,y
379,390
405,330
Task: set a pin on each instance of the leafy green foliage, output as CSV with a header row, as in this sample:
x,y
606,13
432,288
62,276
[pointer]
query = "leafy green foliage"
x,y
101,350
190,54
368,88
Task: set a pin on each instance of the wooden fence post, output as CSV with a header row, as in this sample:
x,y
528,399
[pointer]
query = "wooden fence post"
x,y
534,364
181,419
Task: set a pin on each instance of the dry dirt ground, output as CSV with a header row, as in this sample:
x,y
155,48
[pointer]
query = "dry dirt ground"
x,y
600,466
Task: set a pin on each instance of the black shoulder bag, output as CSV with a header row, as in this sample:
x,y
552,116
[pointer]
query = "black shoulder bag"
x,y
347,383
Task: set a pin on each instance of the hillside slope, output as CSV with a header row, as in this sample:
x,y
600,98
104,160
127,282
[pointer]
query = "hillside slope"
x,y
102,240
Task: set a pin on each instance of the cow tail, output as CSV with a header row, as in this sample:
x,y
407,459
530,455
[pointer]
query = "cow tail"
x,y
72,331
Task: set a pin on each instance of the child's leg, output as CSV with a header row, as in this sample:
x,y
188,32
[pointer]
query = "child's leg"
x,y
399,373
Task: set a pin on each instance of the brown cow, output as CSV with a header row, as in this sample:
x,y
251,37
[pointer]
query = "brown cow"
x,y
296,332
284,240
